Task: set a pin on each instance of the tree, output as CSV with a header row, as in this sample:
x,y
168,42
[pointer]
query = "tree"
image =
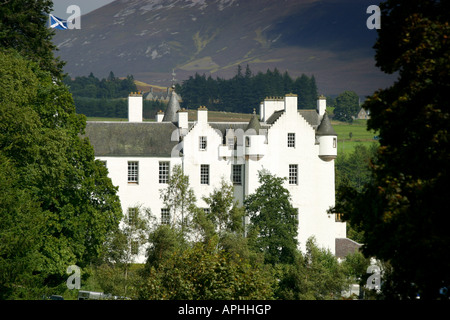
x,y
180,199
347,106
314,275
403,211
121,247
22,225
41,137
23,27
273,219
224,213
354,169
201,272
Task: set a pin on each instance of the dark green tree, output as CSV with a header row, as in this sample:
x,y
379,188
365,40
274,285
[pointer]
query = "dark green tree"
x,y
273,219
404,211
347,106
41,136
24,27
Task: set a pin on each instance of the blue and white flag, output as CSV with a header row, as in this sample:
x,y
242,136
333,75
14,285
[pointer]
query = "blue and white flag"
x,y
57,23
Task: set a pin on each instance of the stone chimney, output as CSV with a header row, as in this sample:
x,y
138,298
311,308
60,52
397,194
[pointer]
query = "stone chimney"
x,y
135,107
159,116
321,106
290,104
182,118
202,115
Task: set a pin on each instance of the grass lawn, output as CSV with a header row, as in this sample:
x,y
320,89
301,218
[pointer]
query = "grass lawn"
x,y
360,135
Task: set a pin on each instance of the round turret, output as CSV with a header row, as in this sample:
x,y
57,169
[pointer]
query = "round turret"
x,y
327,139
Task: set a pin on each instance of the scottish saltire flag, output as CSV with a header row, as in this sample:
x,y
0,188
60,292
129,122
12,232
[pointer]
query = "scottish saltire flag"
x,y
57,23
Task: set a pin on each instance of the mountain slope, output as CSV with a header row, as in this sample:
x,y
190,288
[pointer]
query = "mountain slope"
x,y
149,38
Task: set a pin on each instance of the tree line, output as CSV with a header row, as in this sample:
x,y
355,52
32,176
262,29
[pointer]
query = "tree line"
x,y
107,97
244,92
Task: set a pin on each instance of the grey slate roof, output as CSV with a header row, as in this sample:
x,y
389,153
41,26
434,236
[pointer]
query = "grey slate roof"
x,y
310,116
145,139
325,128
172,107
254,123
274,117
345,246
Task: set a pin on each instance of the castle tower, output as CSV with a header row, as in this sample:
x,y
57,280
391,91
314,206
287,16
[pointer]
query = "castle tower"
x,y
327,139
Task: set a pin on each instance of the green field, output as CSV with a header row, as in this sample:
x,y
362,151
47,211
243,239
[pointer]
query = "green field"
x,y
360,135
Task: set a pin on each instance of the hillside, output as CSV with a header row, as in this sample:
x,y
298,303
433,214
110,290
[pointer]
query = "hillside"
x,y
149,38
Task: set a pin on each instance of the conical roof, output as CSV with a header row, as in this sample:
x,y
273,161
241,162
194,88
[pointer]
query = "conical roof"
x,y
325,128
254,123
173,106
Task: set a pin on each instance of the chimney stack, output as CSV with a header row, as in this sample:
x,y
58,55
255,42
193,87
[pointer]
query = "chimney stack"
x,y
135,106
202,115
159,116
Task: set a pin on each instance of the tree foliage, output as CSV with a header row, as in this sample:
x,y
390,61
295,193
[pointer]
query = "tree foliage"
x,y
202,272
346,106
179,198
107,88
273,219
245,90
23,27
403,212
40,137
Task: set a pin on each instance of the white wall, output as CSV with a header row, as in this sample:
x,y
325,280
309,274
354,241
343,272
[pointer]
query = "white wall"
x,y
313,195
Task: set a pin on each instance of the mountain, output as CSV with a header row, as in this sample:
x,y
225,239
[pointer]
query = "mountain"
x,y
149,38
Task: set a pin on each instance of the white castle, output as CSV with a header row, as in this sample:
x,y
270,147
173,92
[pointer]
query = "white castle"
x,y
300,145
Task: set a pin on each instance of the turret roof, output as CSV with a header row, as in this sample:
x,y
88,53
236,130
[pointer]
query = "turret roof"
x,y
172,107
254,123
325,128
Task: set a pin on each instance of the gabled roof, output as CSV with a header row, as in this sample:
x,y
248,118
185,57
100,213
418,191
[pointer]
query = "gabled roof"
x,y
311,116
274,117
144,139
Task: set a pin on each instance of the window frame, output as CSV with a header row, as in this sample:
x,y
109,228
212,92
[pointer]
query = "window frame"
x,y
164,172
165,216
235,174
293,174
291,140
204,175
202,143
133,172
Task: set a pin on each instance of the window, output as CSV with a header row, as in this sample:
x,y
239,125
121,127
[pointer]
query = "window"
x,y
237,173
132,216
164,171
202,143
293,174
133,171
334,142
165,216
204,174
291,140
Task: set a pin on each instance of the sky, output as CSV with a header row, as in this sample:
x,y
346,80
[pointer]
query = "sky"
x,y
86,6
